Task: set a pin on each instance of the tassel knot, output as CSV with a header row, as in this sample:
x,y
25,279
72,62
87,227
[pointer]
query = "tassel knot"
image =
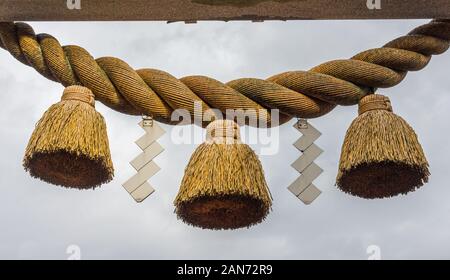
x,y
374,102
79,93
223,132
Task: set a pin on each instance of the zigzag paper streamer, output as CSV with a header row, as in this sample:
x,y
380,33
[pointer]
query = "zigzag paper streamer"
x,y
303,187
137,186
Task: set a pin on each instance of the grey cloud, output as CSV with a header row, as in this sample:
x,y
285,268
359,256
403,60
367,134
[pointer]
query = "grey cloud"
x,y
40,220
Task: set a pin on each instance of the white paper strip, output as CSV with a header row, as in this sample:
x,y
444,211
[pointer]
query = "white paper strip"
x,y
137,186
303,187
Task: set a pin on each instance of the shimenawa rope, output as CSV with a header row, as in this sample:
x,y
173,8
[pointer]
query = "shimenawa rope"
x,y
305,94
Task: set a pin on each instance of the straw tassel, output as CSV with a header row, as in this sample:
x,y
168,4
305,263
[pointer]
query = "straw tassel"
x,y
381,155
69,146
224,185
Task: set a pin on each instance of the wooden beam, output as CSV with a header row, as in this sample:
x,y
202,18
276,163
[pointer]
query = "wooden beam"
x,y
196,10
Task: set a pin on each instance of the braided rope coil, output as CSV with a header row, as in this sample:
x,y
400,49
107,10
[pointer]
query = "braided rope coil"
x,y
302,94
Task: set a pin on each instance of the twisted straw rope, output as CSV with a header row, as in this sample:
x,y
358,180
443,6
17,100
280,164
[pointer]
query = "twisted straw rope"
x,y
305,94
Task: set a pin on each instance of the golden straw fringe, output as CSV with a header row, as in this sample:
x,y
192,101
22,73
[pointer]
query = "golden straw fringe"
x,y
380,139
73,128
224,185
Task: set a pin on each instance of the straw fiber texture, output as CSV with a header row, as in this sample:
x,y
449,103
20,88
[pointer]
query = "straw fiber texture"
x,y
223,185
381,155
305,94
69,146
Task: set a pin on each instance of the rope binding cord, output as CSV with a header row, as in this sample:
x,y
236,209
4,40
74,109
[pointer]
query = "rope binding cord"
x,y
69,146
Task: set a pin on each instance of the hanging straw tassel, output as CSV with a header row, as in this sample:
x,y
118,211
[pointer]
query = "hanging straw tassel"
x,y
224,185
69,146
381,156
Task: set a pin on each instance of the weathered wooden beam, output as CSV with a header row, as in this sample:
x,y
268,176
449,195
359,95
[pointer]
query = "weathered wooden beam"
x,y
196,10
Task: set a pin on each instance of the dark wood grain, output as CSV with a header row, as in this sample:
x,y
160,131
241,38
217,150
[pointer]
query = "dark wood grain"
x,y
195,10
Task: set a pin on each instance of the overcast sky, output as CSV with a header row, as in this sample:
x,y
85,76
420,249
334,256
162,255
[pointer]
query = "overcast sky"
x,y
40,220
